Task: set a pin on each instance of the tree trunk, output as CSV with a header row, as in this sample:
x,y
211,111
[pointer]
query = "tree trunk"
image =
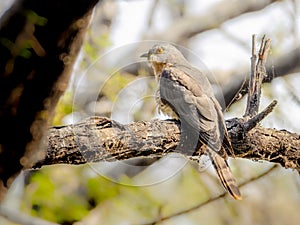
x,y
39,42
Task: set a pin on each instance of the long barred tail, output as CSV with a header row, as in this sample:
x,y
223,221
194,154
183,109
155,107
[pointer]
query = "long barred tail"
x,y
227,179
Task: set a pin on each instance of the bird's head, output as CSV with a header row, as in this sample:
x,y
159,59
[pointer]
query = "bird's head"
x,y
163,54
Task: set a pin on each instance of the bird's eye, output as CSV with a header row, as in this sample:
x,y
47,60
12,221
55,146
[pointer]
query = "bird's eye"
x,y
160,50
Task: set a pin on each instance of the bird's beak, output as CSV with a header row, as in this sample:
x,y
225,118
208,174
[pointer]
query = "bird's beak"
x,y
145,55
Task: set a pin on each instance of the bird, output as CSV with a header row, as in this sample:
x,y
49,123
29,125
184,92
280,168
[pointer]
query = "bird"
x,y
184,93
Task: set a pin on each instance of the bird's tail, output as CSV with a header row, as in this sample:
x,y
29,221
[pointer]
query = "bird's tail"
x,y
227,179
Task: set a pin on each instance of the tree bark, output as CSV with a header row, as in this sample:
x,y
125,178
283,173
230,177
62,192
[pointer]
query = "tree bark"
x,y
39,42
100,139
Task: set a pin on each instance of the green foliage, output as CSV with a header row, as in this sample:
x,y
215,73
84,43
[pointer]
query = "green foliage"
x,y
142,200
90,51
64,107
34,18
48,197
23,50
23,46
93,45
115,83
65,194
101,189
104,40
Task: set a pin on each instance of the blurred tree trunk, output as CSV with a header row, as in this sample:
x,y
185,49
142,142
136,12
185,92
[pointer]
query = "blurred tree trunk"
x,y
39,42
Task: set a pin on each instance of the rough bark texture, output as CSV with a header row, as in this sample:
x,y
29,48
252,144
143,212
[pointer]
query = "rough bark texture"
x,y
39,41
101,139
274,146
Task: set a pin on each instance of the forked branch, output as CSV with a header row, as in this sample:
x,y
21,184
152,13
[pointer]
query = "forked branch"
x,y
258,73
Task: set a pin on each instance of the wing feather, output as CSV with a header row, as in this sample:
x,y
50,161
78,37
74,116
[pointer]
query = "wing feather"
x,y
193,107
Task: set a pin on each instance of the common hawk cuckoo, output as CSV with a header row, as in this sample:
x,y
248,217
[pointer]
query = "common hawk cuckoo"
x,y
184,93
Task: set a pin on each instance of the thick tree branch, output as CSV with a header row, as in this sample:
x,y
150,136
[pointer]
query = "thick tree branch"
x,y
101,139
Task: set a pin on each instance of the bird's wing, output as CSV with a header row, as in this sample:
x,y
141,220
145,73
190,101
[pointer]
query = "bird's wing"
x,y
205,87
194,108
223,131
198,77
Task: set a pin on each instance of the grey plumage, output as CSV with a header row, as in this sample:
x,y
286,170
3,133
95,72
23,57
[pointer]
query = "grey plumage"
x,y
185,93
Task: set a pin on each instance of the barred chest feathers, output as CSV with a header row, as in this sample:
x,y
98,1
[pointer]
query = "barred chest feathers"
x,y
164,107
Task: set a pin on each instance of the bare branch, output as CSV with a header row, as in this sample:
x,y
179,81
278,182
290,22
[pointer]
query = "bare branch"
x,y
252,122
282,66
258,73
196,207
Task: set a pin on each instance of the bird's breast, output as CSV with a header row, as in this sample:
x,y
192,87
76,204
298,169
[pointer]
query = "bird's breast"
x,y
165,108
157,68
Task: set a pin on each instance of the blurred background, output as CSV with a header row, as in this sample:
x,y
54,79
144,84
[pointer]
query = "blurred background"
x,y
110,79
